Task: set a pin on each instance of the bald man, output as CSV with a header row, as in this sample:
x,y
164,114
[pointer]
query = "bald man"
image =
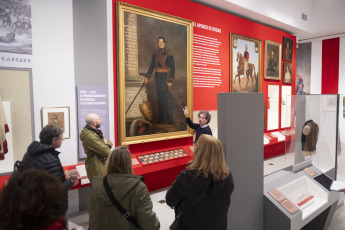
x,y
95,146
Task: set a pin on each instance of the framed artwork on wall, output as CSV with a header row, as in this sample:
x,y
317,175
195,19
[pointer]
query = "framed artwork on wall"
x,y
287,49
287,72
245,64
155,75
58,116
272,60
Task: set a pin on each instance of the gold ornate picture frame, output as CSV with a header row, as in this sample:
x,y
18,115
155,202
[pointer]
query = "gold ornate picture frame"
x,y
154,74
287,49
59,116
245,52
273,60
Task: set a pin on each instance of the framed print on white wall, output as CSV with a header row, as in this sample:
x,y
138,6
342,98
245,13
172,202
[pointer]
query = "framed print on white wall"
x,y
58,116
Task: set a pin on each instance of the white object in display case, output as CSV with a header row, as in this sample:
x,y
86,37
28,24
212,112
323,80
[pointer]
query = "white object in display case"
x,y
278,135
337,185
285,107
273,111
266,141
305,194
83,175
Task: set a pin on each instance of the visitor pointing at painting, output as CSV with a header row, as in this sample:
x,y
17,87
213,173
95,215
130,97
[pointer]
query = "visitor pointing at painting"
x,y
204,118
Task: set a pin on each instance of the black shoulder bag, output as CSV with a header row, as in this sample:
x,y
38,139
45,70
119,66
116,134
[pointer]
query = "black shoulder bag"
x,y
123,211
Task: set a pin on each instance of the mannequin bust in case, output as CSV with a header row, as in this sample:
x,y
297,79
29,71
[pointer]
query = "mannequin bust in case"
x,y
309,137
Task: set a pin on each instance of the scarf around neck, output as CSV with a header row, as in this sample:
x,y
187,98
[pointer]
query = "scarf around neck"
x,y
97,131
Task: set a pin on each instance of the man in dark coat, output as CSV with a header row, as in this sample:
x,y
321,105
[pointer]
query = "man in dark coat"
x,y
42,155
163,64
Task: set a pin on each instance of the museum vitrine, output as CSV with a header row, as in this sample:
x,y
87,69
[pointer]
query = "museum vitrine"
x,y
17,106
314,119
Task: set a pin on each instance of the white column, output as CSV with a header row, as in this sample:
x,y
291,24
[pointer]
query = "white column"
x,y
316,67
53,66
341,87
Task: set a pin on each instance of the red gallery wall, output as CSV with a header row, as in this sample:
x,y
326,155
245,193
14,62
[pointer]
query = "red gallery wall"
x,y
206,98
330,66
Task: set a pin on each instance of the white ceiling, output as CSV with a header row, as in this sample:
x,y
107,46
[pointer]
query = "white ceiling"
x,y
325,18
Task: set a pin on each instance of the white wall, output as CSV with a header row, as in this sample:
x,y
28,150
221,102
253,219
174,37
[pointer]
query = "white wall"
x,y
329,16
287,12
53,66
341,88
54,75
316,67
316,78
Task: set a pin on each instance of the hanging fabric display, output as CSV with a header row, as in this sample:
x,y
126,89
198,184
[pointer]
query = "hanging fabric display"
x,y
3,130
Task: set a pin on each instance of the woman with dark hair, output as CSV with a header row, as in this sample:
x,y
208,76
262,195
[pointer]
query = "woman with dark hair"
x,y
202,127
32,200
130,192
201,193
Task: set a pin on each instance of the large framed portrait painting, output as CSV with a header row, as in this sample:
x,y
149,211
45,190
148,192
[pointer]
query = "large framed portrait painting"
x,y
245,64
154,77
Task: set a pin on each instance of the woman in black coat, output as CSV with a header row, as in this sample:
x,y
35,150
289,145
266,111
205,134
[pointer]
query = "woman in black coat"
x,y
201,193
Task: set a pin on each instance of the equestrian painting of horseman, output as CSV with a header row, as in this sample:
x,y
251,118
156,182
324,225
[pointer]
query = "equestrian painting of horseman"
x,y
272,60
245,64
154,78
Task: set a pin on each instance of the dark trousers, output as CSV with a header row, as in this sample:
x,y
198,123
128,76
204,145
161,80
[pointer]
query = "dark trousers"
x,y
164,98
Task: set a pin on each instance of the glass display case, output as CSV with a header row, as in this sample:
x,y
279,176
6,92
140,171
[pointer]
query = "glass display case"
x,y
297,195
305,194
17,105
314,119
341,140
298,200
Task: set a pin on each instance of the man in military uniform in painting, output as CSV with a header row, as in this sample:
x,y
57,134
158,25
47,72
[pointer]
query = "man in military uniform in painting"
x,y
245,59
272,65
163,64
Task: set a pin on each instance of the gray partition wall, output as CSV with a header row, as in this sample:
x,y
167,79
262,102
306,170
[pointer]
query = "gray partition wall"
x,y
240,128
90,42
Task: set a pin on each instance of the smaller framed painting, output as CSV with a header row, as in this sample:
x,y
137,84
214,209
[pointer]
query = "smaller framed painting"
x,y
287,72
272,60
58,116
287,49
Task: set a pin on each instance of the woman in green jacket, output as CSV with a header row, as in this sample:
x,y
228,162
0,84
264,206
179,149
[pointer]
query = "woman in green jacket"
x,y
128,189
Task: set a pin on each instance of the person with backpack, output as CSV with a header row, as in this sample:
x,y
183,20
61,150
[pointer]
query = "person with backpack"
x,y
43,155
